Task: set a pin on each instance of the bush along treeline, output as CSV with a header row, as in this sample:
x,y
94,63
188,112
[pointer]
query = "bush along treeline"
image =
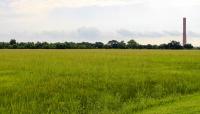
x,y
113,44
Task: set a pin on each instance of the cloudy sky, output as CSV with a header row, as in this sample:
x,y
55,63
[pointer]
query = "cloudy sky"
x,y
146,21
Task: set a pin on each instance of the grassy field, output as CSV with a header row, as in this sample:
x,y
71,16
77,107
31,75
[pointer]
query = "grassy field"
x,y
99,82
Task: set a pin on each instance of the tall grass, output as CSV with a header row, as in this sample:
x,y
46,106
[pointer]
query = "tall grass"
x,y
94,81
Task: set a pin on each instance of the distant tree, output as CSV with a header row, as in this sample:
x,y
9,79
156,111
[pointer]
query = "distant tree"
x,y
13,42
188,46
85,45
67,45
149,46
30,45
132,44
174,45
106,46
38,45
4,45
73,45
21,45
52,46
155,47
59,45
113,44
163,46
122,45
45,45
14,46
141,46
1,45
98,45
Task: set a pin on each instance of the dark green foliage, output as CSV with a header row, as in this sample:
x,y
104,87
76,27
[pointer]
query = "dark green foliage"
x,y
98,45
188,46
4,45
163,46
85,45
59,45
132,44
45,45
113,44
38,45
13,42
174,45
122,45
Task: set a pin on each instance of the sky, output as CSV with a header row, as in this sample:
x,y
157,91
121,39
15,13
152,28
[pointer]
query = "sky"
x,y
146,21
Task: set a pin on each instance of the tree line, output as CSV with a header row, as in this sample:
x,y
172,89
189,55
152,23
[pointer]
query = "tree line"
x,y
113,44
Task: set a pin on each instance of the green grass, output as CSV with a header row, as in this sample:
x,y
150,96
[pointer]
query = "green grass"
x,y
99,82
185,105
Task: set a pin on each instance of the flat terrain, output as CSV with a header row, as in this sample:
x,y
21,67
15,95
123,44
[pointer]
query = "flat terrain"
x,y
99,82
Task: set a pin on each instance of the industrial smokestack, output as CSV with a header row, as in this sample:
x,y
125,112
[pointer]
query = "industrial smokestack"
x,y
184,32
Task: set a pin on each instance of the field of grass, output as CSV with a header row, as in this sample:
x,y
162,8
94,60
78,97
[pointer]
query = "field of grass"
x,y
99,82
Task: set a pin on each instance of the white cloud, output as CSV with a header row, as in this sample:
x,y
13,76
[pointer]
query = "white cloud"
x,y
173,3
150,34
38,6
41,6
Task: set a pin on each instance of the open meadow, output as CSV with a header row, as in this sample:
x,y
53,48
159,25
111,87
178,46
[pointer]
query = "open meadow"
x,y
99,82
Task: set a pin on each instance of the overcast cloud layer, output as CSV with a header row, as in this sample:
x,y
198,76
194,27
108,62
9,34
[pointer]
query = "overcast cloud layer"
x,y
147,21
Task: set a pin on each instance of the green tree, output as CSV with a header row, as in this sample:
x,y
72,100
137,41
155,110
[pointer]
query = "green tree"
x,y
13,42
174,45
163,46
132,44
45,45
98,45
113,44
122,45
188,46
59,45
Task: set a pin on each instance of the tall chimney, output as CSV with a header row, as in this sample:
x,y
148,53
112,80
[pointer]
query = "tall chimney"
x,y
184,32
